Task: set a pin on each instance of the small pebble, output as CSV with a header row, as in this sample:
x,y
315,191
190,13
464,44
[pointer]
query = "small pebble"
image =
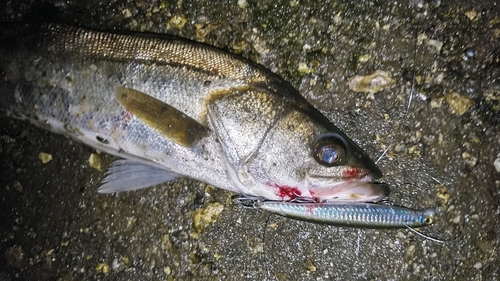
x,y
469,159
310,265
207,215
304,69
115,264
421,38
438,45
371,83
456,220
95,161
409,252
469,53
177,22
478,265
102,267
364,58
126,13
497,164
203,29
436,103
167,270
14,256
17,186
242,4
460,104
471,14
44,157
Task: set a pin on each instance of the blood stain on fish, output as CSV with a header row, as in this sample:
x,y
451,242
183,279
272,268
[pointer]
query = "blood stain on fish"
x,y
286,192
352,173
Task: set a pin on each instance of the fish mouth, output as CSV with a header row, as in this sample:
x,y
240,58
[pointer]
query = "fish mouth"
x,y
353,189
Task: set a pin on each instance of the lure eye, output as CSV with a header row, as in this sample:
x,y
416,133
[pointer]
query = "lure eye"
x,y
428,216
330,151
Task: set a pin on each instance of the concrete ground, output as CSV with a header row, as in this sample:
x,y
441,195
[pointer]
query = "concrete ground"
x,y
444,151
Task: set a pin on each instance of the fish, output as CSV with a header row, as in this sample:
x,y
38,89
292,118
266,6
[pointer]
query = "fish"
x,y
169,108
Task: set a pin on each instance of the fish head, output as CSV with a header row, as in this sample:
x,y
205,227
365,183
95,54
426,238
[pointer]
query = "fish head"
x,y
280,150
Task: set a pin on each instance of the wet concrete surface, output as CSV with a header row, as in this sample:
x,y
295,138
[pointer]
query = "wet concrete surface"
x,y
55,226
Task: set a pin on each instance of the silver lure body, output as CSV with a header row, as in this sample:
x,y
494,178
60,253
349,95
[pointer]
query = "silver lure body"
x,y
351,214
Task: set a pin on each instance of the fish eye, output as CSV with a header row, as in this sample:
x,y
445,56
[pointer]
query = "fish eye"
x,y
330,150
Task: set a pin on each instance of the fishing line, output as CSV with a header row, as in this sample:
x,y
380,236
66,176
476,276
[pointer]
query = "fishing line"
x,y
249,202
425,236
410,98
404,118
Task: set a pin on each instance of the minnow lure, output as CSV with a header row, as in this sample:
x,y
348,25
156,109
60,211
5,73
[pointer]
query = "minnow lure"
x,y
351,214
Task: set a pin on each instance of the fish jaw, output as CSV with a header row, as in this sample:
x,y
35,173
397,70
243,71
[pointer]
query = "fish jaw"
x,y
349,190
345,191
314,188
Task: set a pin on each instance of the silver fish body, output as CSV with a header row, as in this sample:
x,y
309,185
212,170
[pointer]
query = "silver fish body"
x,y
173,108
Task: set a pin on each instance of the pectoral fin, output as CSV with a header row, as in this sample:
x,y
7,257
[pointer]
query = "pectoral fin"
x,y
164,118
127,175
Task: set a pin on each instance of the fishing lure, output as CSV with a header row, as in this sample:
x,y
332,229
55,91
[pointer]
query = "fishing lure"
x,y
351,214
